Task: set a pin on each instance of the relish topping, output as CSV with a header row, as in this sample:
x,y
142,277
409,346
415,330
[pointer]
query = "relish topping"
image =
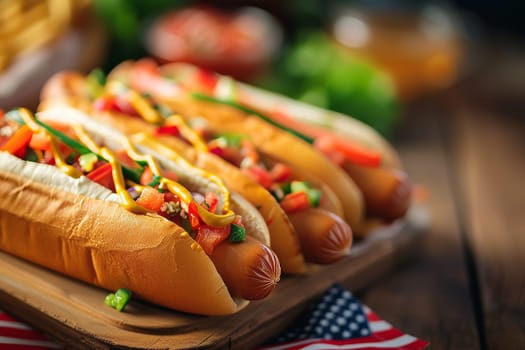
x,y
139,192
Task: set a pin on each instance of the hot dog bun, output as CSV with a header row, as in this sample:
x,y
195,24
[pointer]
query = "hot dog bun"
x,y
76,227
69,88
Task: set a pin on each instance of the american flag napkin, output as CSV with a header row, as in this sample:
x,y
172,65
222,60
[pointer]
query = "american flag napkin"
x,y
339,321
15,335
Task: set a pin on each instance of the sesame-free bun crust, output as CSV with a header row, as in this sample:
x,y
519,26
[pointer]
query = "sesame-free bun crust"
x,y
101,243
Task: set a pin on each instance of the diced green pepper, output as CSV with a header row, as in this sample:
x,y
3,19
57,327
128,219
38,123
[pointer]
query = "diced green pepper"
x,y
87,161
314,197
96,80
119,300
237,233
131,174
297,186
231,139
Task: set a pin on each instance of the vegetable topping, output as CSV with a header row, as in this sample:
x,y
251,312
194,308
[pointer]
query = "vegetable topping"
x,y
142,184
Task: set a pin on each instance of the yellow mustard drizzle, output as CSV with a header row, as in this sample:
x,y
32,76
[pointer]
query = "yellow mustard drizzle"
x,y
187,132
143,107
116,171
60,163
210,218
152,116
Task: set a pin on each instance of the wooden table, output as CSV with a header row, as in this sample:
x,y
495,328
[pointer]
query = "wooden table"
x,y
466,287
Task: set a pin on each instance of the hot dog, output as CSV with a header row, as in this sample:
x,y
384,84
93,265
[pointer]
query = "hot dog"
x,y
70,88
354,147
328,241
163,240
223,118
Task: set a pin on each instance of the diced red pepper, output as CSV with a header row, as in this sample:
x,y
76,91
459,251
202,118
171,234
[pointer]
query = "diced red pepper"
x,y
218,151
171,130
281,172
17,144
210,237
207,80
351,152
260,175
151,199
123,105
327,141
103,176
105,103
193,215
114,103
294,202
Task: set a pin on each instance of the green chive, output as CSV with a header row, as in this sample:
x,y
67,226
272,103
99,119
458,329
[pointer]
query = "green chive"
x,y
248,110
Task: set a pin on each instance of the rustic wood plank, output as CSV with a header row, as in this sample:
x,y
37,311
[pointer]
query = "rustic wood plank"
x,y
491,170
430,298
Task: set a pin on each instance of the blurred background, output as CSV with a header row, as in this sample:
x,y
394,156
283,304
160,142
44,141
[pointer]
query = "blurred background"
x,y
367,59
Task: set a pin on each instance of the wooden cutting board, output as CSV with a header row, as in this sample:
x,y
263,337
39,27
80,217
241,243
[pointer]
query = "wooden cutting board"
x,y
74,313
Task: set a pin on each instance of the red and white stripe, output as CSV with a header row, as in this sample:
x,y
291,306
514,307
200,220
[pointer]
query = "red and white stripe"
x,y
383,337
15,335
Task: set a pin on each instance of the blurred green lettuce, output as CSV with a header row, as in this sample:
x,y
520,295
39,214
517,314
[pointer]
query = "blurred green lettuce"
x,y
314,69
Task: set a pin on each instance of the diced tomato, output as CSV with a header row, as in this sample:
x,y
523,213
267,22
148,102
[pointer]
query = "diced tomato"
x,y
40,141
48,158
260,175
280,172
17,144
123,105
125,159
211,202
151,199
210,237
171,130
103,176
206,79
105,103
218,151
232,155
294,202
193,215
146,177
169,174
114,103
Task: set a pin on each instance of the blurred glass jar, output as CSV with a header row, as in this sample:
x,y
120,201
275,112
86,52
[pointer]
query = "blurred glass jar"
x,y
421,46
